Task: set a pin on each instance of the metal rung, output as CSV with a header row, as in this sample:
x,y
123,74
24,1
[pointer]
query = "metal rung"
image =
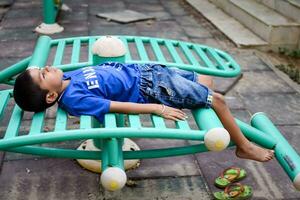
x,y
4,97
134,121
173,52
188,54
156,49
91,43
219,60
14,123
37,123
61,120
158,122
182,125
86,122
204,57
127,55
110,120
76,51
59,53
141,49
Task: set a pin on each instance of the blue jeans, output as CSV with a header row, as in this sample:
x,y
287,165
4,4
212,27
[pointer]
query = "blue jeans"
x,y
173,87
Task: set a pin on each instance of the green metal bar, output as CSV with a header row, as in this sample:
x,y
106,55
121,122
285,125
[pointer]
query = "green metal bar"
x,y
120,162
90,53
85,122
4,97
134,121
43,45
102,133
120,120
156,49
14,123
75,51
13,70
173,52
206,118
204,57
233,66
188,54
59,53
158,121
61,120
37,123
218,59
256,135
49,11
127,55
141,49
182,125
286,155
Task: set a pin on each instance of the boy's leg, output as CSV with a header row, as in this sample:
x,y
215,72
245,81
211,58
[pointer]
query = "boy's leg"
x,y
245,149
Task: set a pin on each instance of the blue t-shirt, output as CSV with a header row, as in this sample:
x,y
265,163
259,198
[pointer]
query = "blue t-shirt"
x,y
92,88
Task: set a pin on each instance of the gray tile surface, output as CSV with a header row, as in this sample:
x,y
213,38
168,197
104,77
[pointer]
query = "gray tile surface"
x,y
184,177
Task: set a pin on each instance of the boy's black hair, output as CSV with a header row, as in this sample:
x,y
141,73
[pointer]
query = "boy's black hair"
x,y
28,95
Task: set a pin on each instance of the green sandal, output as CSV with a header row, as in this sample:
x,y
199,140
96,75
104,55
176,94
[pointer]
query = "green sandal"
x,y
234,191
230,175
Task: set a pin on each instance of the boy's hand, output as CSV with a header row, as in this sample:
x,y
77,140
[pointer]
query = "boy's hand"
x,y
170,113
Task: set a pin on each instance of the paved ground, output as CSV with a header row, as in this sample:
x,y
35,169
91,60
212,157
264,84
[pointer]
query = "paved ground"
x,y
186,177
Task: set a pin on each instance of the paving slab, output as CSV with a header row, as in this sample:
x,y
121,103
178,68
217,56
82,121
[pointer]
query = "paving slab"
x,y
283,109
19,49
260,82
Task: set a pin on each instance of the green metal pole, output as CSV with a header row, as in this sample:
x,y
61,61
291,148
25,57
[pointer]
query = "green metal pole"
x,y
14,69
206,118
49,11
286,155
256,135
43,45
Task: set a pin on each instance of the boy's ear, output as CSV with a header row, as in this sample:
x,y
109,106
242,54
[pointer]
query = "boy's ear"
x,y
51,97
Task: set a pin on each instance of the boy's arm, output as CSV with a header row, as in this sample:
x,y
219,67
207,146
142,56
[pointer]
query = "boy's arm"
x,y
137,108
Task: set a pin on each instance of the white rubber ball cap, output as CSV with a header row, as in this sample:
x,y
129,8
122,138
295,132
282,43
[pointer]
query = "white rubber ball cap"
x,y
296,182
217,139
113,178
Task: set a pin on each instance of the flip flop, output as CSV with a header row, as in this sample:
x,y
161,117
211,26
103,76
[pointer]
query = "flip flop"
x,y
230,175
234,191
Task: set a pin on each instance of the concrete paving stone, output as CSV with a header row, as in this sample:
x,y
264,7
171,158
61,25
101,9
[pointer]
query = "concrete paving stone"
x,y
268,180
145,7
2,12
160,15
113,30
176,188
188,20
27,4
249,62
175,7
74,15
196,32
17,34
20,13
125,16
94,21
212,42
5,3
223,85
47,179
6,62
95,8
241,114
261,82
165,34
282,108
162,167
157,26
26,22
17,49
234,102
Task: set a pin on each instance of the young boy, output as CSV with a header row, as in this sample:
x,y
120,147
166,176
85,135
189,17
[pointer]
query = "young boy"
x,y
129,88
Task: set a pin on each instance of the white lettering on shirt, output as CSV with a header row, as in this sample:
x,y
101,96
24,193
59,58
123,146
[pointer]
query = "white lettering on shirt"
x,y
90,77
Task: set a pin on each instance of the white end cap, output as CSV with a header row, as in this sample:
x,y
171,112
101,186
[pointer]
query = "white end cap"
x,y
217,139
113,178
49,28
109,46
296,182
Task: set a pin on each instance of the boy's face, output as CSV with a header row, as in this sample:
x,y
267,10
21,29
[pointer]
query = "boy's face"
x,y
48,78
